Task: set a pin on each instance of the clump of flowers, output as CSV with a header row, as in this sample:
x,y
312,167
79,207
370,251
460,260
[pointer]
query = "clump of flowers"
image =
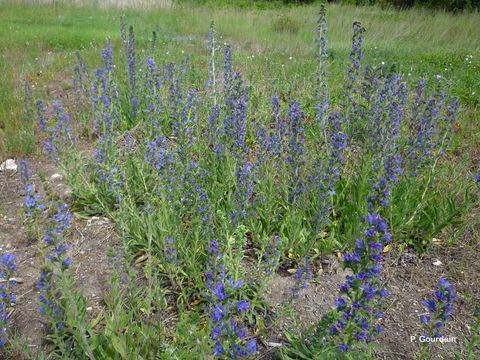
x,y
170,251
244,191
7,298
296,148
358,307
327,171
159,155
439,307
321,88
56,263
228,332
33,201
105,105
431,127
301,277
271,255
55,124
356,56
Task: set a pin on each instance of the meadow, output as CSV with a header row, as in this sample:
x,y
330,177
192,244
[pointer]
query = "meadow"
x,y
214,182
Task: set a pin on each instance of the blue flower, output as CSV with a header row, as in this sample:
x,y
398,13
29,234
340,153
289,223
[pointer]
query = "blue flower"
x,y
223,307
7,299
242,306
440,307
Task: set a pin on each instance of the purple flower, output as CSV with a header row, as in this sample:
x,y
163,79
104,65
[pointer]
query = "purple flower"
x,y
223,306
218,349
271,255
439,306
7,299
321,88
301,277
242,306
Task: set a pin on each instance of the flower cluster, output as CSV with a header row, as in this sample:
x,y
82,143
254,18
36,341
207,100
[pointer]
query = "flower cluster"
x,y
327,171
56,263
296,147
105,105
192,191
271,255
440,308
430,128
80,80
42,115
132,76
228,332
7,298
162,159
154,109
171,254
235,107
55,124
33,200
60,133
321,74
359,304
356,55
301,277
244,191
173,83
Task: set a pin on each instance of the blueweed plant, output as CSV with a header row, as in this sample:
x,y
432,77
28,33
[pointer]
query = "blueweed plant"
x,y
33,204
359,306
228,332
439,308
54,123
271,255
56,263
7,297
321,86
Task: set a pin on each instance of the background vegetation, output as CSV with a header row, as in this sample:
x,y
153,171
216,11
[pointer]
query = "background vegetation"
x,y
38,44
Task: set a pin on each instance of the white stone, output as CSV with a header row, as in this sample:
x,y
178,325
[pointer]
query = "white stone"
x,y
99,221
9,164
56,177
437,263
274,344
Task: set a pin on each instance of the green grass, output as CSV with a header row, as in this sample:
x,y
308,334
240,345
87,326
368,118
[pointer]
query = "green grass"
x,y
38,43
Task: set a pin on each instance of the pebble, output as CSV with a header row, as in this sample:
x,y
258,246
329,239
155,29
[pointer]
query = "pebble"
x,y
8,165
274,344
95,220
55,177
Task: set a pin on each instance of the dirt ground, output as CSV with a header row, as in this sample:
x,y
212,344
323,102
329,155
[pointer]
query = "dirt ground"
x,y
408,277
89,240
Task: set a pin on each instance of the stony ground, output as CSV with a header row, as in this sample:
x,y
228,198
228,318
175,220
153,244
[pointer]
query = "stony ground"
x,y
408,277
